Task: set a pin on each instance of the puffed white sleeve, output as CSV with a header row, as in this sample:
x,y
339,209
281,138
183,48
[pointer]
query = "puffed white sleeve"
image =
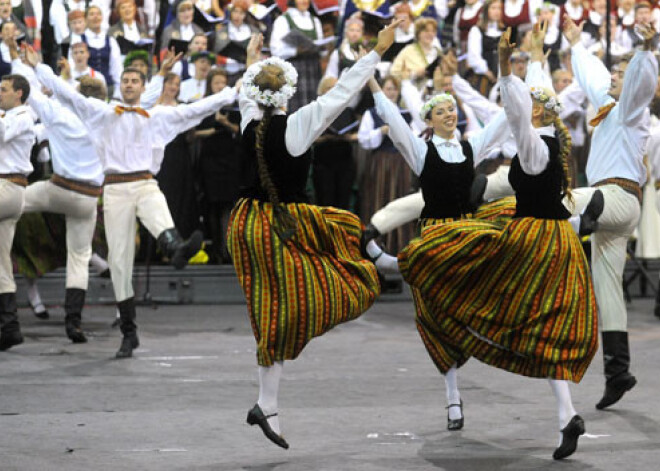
x,y
532,151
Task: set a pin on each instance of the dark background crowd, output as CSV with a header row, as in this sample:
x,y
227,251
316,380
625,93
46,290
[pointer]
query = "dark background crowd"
x,y
200,174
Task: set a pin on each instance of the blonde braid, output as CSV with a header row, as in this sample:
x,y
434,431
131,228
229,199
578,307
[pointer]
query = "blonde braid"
x,y
284,223
565,143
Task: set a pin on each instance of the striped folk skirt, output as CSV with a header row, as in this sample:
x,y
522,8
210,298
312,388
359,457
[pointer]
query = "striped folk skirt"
x,y
300,288
515,295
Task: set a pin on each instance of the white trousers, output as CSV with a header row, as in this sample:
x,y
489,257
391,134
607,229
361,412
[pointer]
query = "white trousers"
x,y
408,208
498,184
11,204
122,202
398,212
80,215
608,250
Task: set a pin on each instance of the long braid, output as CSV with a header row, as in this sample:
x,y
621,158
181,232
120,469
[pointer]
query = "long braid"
x,y
565,143
284,223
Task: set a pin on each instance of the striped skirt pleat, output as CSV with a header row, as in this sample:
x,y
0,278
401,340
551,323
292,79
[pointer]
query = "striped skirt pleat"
x,y
516,295
300,288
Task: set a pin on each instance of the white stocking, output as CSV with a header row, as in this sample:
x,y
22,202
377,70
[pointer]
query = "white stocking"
x,y
385,263
34,296
453,395
98,263
564,403
269,384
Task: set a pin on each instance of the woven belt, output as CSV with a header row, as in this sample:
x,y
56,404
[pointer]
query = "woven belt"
x,y
127,177
16,178
83,188
506,162
657,185
627,185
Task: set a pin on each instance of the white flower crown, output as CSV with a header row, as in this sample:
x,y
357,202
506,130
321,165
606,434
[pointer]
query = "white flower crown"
x,y
549,102
276,99
433,102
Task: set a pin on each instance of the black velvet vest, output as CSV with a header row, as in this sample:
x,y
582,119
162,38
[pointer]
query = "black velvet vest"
x,y
539,196
288,173
446,186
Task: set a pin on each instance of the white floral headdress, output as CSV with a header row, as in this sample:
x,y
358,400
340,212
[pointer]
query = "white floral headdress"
x,y
433,102
549,102
276,99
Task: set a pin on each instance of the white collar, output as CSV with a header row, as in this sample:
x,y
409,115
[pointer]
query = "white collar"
x,y
91,34
20,109
546,130
295,11
442,142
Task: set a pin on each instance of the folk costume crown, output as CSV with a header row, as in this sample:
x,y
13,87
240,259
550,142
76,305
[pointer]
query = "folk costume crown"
x,y
270,98
549,101
434,101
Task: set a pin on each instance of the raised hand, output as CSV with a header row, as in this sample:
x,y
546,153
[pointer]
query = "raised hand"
x,y
29,55
648,32
65,68
505,49
537,41
254,49
571,30
170,59
386,37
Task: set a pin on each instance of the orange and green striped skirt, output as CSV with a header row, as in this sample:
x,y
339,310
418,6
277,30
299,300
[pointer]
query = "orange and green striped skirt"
x,y
300,288
515,295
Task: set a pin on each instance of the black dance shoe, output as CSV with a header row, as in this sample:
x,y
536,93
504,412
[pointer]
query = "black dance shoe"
x,y
569,438
128,344
257,417
10,339
615,389
42,314
455,424
589,219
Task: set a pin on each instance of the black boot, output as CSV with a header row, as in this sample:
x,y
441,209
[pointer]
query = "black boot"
x,y
74,300
10,330
589,218
478,189
616,355
656,311
178,250
128,328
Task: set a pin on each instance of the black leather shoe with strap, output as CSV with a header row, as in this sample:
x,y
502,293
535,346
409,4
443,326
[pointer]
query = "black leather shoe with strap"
x,y
257,417
455,424
569,438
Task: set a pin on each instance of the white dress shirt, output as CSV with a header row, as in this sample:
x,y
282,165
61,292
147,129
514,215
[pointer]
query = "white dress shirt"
x,y
178,68
132,33
653,148
192,90
4,51
76,74
304,20
306,125
59,18
532,150
72,150
16,140
414,149
129,142
187,32
97,41
467,12
619,141
474,47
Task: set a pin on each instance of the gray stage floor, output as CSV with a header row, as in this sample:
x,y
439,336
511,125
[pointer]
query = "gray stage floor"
x,y
363,397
